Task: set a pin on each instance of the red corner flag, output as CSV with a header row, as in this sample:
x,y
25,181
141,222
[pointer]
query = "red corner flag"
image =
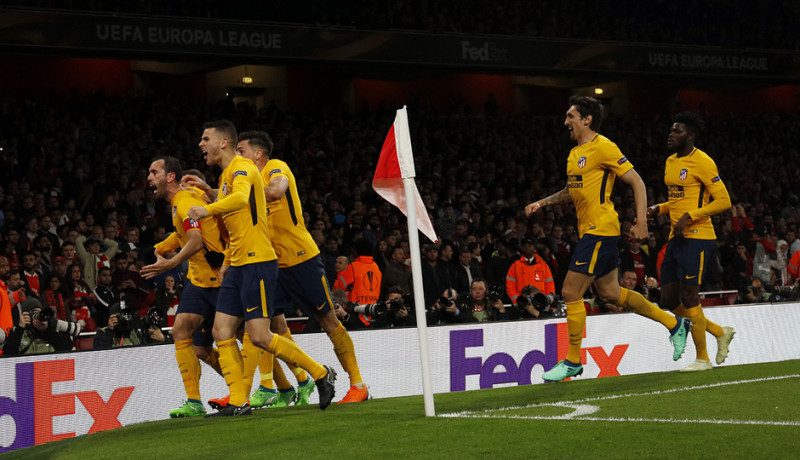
x,y
395,164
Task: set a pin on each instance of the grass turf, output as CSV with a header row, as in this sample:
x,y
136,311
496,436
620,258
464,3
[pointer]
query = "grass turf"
x,y
397,427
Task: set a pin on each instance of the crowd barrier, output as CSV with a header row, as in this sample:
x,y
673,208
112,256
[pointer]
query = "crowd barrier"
x,y
50,397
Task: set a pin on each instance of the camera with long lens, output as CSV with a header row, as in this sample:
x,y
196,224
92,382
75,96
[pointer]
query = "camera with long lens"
x,y
375,310
785,293
534,297
71,329
154,319
124,321
44,315
495,291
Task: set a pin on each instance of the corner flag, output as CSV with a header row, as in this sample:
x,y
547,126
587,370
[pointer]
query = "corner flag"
x,y
395,164
394,181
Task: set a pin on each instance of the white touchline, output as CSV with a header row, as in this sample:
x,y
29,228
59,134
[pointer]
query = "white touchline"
x,y
581,410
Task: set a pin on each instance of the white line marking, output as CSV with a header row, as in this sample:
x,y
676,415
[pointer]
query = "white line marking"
x,y
582,410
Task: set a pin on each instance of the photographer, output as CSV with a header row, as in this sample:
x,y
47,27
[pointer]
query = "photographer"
x,y
125,328
398,312
451,309
533,304
344,311
755,293
487,303
38,331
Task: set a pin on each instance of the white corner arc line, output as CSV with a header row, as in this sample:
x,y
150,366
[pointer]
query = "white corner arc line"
x,y
579,407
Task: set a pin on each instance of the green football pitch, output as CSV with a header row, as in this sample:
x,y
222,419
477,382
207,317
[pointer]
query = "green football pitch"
x,y
728,412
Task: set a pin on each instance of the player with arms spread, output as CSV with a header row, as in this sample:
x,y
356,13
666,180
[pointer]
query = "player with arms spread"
x,y
692,180
249,271
592,167
199,298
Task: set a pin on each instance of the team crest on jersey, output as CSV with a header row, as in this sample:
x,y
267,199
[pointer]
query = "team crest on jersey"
x,y
683,174
225,188
716,179
174,210
622,160
581,162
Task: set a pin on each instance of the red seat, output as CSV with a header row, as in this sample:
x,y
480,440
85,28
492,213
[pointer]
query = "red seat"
x,y
713,301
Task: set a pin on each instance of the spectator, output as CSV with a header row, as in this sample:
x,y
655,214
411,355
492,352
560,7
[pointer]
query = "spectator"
x,y
501,260
636,259
91,259
107,295
31,274
53,297
466,271
329,253
433,283
168,294
80,299
396,274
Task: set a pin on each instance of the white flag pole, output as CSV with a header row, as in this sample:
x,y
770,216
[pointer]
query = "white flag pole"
x,y
419,298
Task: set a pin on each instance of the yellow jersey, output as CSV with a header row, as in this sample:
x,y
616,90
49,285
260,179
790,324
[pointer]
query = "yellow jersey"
x,y
287,229
591,170
692,181
242,203
200,273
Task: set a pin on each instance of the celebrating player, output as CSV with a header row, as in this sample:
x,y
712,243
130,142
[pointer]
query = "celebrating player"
x,y
199,297
591,169
692,179
249,271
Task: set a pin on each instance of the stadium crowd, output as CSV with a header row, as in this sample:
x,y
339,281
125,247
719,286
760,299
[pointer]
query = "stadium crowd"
x,y
77,221
765,24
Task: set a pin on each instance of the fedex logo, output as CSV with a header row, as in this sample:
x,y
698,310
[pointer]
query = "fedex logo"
x,y
556,345
36,405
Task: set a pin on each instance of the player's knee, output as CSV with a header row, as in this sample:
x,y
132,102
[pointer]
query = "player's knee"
x,y
570,293
328,321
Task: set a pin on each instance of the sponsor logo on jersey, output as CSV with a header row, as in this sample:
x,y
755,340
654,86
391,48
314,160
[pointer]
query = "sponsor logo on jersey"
x,y
240,173
622,160
716,179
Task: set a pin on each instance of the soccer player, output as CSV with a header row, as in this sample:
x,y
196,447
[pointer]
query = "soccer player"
x,y
198,300
249,271
301,273
692,179
592,167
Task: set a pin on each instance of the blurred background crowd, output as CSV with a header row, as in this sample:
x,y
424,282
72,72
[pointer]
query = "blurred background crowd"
x,y
77,220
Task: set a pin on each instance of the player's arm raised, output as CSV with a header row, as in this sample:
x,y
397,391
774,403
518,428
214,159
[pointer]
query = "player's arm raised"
x,y
194,243
559,197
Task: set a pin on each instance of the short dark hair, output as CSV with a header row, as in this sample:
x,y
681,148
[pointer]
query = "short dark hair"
x,y
363,247
196,172
258,139
692,121
226,127
587,106
171,165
